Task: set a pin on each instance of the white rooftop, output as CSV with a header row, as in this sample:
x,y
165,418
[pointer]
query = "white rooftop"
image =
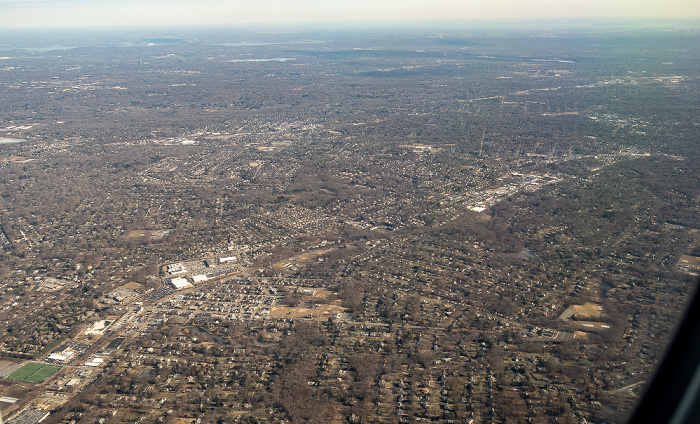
x,y
180,283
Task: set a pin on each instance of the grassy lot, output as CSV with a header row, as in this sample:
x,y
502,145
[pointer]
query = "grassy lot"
x,y
139,233
34,373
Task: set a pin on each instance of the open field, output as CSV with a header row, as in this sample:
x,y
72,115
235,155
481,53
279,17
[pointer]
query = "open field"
x,y
314,292
34,373
320,312
147,234
585,311
139,233
132,286
588,310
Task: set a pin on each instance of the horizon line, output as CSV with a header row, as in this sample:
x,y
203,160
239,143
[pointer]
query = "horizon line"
x,y
505,23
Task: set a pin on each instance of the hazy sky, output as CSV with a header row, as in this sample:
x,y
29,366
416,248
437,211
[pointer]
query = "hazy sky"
x,y
42,13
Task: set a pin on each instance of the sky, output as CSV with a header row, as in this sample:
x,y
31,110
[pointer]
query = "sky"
x,y
96,13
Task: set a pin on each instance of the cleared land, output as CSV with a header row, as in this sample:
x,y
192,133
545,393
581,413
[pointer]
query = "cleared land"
x,y
34,373
147,234
132,286
139,233
588,310
320,312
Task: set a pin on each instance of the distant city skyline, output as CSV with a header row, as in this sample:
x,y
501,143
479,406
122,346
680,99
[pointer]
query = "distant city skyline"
x,y
96,13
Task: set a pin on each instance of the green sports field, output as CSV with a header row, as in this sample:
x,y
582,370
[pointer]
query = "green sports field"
x,y
34,373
